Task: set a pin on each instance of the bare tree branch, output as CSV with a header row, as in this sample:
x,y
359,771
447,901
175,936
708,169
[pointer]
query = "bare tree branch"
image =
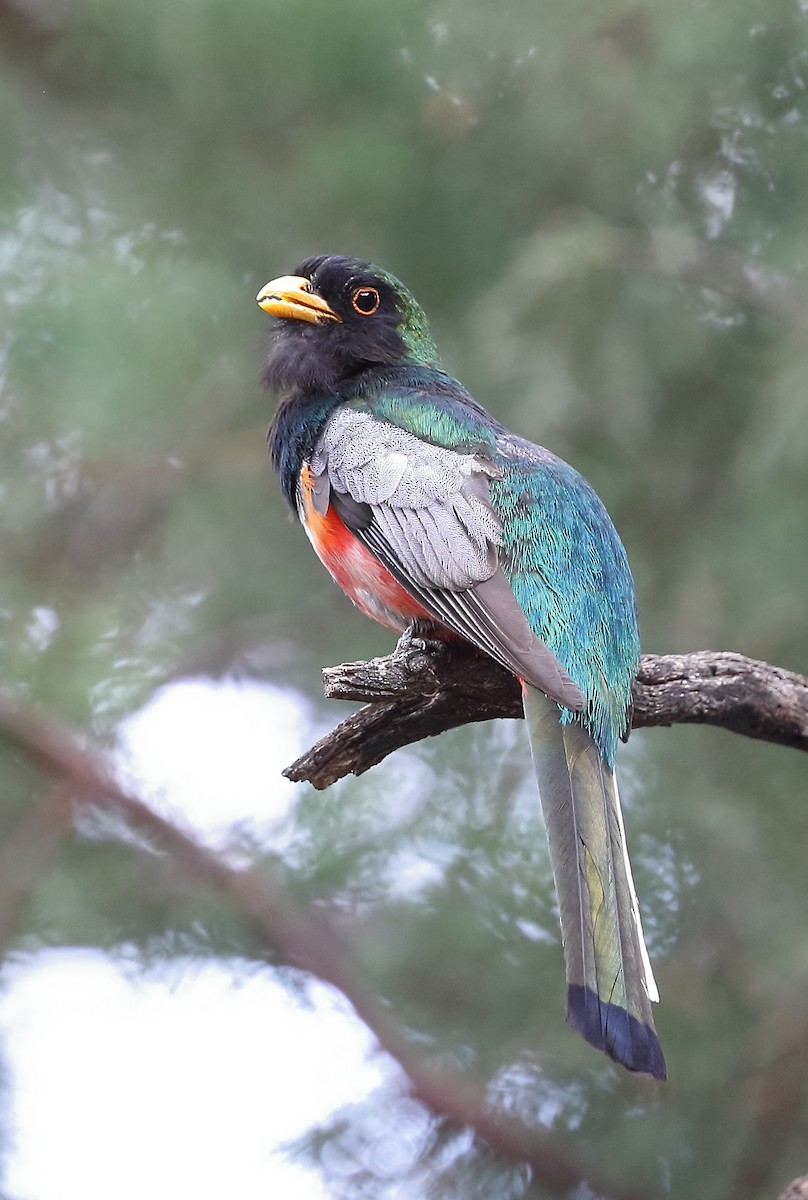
x,y
414,693
304,940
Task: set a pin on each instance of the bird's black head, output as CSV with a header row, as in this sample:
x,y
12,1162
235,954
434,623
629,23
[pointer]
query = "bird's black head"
x,y
337,317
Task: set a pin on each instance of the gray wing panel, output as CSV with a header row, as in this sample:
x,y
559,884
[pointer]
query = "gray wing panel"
x,y
434,528
431,503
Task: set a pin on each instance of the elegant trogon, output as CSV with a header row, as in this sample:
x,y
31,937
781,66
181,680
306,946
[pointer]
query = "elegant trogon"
x,y
425,508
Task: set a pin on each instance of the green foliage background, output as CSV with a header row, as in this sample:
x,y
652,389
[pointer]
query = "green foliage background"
x,y
603,209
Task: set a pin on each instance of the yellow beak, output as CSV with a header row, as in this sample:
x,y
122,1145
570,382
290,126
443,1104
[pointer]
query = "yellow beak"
x,y
290,296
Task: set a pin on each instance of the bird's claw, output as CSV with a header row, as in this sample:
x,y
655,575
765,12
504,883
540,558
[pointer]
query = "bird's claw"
x,y
419,645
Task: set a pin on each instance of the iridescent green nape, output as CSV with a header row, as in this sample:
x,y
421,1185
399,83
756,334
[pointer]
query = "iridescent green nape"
x,y
414,328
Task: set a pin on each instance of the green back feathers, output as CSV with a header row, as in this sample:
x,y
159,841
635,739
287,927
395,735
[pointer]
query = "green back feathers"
x,y
569,572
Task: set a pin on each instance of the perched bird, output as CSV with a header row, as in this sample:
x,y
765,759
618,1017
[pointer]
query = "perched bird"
x,y
424,508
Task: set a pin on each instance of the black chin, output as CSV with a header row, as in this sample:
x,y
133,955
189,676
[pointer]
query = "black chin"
x,y
305,357
298,359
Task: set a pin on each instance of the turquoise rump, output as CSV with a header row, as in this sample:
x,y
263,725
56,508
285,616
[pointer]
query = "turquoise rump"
x,y
427,511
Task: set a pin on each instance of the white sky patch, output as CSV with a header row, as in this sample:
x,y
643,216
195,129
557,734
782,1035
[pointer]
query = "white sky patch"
x,y
168,1087
184,1083
717,191
213,751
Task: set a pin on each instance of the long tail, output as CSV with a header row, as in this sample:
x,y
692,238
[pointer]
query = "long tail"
x,y
610,984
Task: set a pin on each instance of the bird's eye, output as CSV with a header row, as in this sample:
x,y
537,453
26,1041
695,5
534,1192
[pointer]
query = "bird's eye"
x,y
365,300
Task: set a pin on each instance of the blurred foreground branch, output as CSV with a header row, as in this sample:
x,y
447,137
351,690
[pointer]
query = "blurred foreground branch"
x,y
777,1082
414,693
797,1190
28,853
301,938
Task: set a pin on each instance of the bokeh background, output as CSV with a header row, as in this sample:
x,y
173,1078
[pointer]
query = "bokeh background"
x,y
604,209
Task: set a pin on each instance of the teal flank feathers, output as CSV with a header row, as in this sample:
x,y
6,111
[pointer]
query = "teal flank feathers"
x,y
425,508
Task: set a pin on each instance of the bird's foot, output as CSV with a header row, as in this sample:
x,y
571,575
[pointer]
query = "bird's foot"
x,y
420,645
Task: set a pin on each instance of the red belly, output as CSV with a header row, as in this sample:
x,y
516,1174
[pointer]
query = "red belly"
x,y
361,576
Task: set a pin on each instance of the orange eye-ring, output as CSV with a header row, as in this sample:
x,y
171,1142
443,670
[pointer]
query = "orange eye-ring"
x,y
366,300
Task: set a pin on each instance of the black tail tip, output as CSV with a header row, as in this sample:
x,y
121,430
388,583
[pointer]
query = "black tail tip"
x,y
616,1032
